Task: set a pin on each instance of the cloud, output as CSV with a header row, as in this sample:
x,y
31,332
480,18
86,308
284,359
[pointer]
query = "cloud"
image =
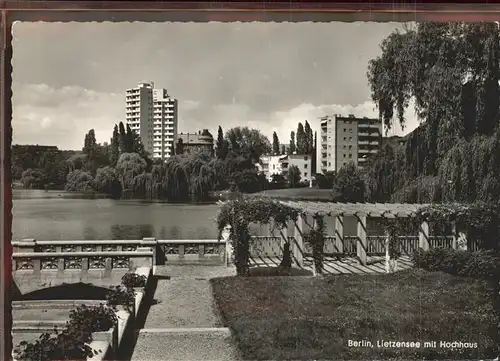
x,y
189,105
62,116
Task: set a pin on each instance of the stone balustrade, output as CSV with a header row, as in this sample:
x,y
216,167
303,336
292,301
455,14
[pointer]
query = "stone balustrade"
x,y
110,254
35,255
97,260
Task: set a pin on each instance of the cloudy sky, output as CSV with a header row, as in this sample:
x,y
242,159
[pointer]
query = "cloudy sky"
x,y
71,77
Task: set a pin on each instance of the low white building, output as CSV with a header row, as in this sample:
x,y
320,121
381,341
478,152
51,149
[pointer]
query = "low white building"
x,y
279,164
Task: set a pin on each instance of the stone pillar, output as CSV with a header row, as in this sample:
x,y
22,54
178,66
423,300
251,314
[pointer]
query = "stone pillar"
x,y
298,246
339,233
229,247
158,253
361,245
153,243
142,261
27,245
423,236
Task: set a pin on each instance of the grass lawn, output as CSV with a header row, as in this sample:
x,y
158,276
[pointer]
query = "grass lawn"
x,y
278,272
304,194
304,318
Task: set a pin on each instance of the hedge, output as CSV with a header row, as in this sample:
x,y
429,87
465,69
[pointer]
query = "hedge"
x,y
479,265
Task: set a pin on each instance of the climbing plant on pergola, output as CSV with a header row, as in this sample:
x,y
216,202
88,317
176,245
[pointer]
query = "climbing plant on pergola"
x,y
481,221
239,214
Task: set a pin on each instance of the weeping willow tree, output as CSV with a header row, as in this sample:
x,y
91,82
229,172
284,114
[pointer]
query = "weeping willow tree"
x,y
143,185
200,175
450,71
129,166
181,178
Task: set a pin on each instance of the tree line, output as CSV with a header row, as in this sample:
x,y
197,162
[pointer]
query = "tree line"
x,y
123,168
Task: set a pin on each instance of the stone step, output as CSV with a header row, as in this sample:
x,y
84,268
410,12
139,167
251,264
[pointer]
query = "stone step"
x,y
184,344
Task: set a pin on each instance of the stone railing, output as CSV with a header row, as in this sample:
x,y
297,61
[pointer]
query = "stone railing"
x,y
61,261
110,254
185,251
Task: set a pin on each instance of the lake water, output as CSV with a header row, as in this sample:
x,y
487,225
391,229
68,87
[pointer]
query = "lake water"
x,y
56,215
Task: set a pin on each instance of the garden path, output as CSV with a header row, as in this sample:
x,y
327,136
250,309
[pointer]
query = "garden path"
x,y
182,323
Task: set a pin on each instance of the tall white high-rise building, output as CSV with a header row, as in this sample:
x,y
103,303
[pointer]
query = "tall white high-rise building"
x,y
152,114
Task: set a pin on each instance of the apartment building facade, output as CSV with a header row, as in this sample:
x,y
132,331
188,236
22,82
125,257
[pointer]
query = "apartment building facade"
x,y
280,164
197,142
153,114
348,139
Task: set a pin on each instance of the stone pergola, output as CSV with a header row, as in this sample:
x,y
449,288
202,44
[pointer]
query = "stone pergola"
x,y
361,211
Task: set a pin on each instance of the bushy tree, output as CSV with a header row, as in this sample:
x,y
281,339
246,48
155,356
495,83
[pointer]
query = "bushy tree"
x,y
179,147
32,179
308,139
292,148
325,181
276,144
106,181
247,181
77,162
301,139
348,186
79,181
221,146
114,153
293,176
278,181
246,142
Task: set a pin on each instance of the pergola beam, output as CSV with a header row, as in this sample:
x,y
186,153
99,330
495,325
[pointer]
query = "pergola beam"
x,y
372,210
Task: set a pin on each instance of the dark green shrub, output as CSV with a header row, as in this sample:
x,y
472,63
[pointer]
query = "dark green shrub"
x,y
72,342
483,264
131,280
121,296
49,347
91,319
480,264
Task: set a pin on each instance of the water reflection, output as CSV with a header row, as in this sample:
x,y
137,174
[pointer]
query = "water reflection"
x,y
89,233
174,232
139,231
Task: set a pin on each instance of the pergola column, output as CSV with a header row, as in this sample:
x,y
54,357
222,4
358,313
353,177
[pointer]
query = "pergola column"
x,y
283,236
361,245
339,233
455,235
298,245
423,236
